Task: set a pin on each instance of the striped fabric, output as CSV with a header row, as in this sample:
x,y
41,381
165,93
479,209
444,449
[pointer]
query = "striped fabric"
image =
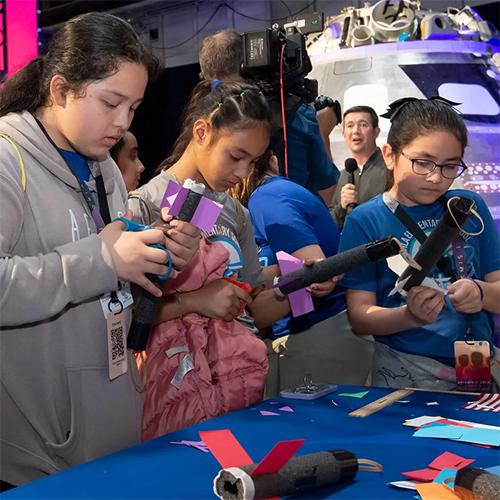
x,y
486,402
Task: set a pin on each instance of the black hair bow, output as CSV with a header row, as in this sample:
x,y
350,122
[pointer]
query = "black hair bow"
x,y
396,106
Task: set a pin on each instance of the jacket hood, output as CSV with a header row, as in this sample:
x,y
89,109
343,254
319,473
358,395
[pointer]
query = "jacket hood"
x,y
25,131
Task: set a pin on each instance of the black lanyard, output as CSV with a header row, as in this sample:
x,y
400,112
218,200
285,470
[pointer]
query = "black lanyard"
x,y
101,214
443,264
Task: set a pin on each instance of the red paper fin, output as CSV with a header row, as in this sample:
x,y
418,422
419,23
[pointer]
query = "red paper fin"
x,y
446,460
422,474
225,448
281,453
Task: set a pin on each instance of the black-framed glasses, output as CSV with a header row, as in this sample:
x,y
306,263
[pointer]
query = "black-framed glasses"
x,y
423,166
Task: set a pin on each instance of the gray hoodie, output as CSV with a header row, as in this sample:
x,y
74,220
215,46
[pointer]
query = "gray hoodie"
x,y
58,407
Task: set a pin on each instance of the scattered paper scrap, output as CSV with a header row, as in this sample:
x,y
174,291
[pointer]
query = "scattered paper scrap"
x,y
266,413
436,491
421,474
335,403
407,485
446,460
436,430
199,445
474,435
286,408
432,403
442,469
453,422
494,470
419,421
403,401
358,395
447,477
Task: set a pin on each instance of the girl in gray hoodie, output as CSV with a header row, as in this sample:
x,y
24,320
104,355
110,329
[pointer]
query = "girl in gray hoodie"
x,y
63,264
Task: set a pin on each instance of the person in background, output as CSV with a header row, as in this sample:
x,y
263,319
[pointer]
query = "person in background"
x,y
360,130
415,335
287,217
309,160
225,130
126,155
63,261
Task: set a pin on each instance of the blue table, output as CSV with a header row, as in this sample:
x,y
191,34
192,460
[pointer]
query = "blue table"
x,y
158,469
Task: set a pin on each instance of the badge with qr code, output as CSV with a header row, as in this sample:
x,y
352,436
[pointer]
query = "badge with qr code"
x,y
117,345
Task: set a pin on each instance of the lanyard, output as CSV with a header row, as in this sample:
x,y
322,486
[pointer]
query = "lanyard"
x,y
100,214
443,264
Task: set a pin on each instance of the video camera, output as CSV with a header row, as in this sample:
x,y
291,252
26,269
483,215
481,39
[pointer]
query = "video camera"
x,y
262,55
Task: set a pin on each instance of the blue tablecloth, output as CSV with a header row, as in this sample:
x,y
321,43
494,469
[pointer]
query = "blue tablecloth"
x,y
158,469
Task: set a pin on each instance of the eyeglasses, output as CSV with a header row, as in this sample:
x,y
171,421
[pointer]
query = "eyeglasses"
x,y
423,166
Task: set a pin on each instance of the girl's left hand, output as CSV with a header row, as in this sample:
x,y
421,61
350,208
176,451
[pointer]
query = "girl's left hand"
x,y
321,289
465,296
183,240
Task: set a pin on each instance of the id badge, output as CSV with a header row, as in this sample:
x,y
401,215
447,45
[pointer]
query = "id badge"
x,y
117,345
117,301
472,365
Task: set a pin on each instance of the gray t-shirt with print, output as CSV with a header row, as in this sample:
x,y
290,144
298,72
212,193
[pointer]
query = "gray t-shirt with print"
x,y
233,228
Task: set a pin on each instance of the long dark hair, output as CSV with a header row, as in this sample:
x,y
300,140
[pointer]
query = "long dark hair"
x,y
226,105
88,47
244,189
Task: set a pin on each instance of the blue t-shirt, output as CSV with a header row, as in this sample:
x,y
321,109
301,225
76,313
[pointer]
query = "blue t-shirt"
x,y
78,163
308,162
288,217
373,220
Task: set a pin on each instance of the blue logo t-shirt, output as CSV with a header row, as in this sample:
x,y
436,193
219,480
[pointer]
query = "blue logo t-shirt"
x,y
373,220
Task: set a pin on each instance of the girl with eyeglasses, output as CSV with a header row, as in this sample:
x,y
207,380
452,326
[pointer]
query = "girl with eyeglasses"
x,y
415,335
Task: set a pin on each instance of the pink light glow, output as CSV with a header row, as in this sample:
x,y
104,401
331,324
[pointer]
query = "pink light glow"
x,y
22,39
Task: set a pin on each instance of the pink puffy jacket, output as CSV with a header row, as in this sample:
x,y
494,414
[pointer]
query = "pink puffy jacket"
x,y
197,367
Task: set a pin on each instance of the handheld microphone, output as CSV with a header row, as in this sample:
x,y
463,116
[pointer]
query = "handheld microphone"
x,y
351,165
338,264
147,304
459,209
300,474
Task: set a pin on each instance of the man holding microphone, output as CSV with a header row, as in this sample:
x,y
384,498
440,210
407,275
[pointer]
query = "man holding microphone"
x,y
357,185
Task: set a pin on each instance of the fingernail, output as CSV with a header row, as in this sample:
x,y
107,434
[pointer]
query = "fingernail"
x,y
174,223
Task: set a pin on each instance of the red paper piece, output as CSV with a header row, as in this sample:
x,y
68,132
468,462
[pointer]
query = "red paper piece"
x,y
463,464
446,461
225,448
422,474
278,457
451,422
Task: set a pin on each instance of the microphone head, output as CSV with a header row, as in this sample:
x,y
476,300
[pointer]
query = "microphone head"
x,y
350,165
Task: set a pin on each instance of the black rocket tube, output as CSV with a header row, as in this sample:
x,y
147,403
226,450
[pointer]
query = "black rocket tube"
x,y
338,264
147,304
299,475
438,241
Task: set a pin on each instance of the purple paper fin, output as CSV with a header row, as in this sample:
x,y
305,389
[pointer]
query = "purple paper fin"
x,y
206,214
301,300
170,194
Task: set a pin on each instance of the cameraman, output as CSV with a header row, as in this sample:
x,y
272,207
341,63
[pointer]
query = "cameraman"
x,y
309,161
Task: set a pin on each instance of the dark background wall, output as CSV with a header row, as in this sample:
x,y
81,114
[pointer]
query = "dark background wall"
x,y
157,121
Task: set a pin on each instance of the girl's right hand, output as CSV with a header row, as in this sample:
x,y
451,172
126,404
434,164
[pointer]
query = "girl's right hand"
x,y
348,195
424,304
132,257
219,299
